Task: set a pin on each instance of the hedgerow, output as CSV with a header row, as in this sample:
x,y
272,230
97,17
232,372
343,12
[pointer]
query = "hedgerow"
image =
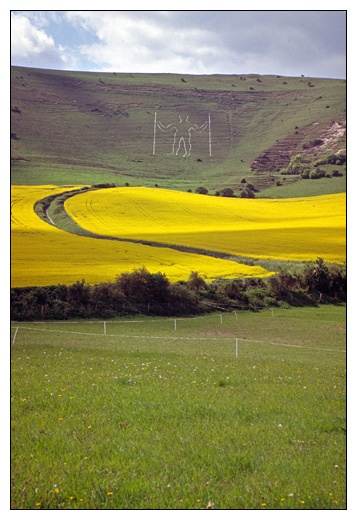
x,y
142,292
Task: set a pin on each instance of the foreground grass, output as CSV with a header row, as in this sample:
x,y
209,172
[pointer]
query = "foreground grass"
x,y
147,416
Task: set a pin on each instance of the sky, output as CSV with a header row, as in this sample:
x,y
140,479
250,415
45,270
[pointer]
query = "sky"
x,y
288,43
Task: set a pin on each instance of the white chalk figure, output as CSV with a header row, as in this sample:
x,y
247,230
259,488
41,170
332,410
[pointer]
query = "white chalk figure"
x,y
182,134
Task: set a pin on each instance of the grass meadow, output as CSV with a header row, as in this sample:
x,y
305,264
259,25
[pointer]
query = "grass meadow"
x,y
148,413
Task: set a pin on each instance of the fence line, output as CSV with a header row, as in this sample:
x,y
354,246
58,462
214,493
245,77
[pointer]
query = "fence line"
x,y
178,338
168,319
272,312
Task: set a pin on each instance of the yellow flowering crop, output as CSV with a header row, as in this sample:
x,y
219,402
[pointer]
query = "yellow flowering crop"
x,y
44,255
297,229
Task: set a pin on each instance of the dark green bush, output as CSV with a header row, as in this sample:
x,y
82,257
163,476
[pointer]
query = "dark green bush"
x,y
201,190
227,192
247,194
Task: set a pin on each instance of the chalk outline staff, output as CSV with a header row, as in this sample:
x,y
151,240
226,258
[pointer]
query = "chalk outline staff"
x,y
189,128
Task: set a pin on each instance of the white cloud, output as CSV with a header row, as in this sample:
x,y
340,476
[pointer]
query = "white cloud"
x,y
197,42
29,42
134,43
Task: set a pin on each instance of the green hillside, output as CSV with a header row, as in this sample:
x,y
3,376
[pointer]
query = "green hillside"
x,y
87,128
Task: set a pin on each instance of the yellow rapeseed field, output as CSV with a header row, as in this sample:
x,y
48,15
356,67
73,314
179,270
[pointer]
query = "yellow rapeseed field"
x,y
43,255
296,229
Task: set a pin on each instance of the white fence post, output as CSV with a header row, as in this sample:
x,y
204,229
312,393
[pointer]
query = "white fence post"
x,y
13,341
154,140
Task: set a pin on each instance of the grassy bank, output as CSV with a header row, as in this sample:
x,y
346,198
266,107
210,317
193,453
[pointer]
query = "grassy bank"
x,y
162,414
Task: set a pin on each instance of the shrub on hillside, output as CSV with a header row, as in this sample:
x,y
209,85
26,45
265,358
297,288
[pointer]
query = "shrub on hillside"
x,y
320,280
201,190
338,159
227,192
297,165
260,298
233,291
183,301
312,143
196,283
104,185
141,286
318,173
247,194
306,173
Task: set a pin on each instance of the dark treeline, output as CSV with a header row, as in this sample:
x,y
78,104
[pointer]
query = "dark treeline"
x,y
141,292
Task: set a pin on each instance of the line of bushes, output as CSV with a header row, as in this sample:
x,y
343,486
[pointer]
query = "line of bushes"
x,y
142,292
300,165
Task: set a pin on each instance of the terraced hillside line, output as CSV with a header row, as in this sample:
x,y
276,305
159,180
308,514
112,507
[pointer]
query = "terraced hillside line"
x,y
279,155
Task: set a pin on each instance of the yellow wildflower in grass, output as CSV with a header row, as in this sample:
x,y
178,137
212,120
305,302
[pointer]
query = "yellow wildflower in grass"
x,y
44,255
297,229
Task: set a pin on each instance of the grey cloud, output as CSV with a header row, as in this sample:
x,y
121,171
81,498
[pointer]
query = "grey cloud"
x,y
312,43
290,39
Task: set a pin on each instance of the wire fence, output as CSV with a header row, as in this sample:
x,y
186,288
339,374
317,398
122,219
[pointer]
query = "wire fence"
x,y
179,335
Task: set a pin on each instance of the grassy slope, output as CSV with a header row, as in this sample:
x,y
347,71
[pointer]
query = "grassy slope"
x,y
88,127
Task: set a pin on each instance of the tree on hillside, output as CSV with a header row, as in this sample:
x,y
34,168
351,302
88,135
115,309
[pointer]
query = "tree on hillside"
x,y
247,194
141,286
317,279
227,192
201,190
196,282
